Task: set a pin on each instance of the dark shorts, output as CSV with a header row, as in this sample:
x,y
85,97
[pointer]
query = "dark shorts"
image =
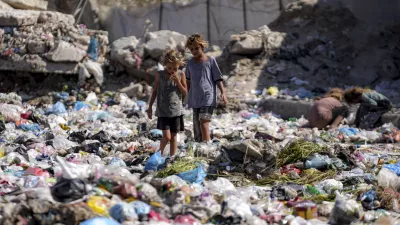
x,y
199,114
173,124
205,113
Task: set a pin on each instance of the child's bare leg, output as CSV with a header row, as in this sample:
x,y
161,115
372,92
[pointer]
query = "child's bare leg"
x,y
173,144
337,121
165,139
205,130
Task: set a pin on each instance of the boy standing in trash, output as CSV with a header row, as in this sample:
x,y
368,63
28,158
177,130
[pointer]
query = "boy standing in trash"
x,y
169,88
204,76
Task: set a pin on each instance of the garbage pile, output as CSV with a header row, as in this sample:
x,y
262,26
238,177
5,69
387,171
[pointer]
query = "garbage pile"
x,y
314,44
50,42
95,160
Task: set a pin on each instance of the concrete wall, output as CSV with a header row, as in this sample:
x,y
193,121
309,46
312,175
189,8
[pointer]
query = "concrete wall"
x,y
226,16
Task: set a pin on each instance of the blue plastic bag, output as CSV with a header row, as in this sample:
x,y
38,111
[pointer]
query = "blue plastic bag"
x,y
99,115
349,131
92,49
155,162
61,95
57,108
100,220
80,105
29,127
156,133
141,207
115,161
123,212
395,168
194,176
141,105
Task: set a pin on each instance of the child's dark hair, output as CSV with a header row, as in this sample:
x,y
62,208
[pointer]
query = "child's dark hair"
x,y
173,56
335,93
196,38
354,93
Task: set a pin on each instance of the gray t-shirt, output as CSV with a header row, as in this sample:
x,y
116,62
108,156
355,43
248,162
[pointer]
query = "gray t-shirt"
x,y
203,77
169,97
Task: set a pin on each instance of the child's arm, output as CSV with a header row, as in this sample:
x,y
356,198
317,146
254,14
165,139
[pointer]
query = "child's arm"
x,y
181,83
217,77
153,97
221,88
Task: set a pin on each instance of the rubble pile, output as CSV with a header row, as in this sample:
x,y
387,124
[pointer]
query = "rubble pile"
x,y
94,159
50,42
316,44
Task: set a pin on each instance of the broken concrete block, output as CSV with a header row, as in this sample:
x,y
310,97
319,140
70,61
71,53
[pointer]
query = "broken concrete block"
x,y
5,6
250,147
17,18
55,17
247,45
28,4
123,51
160,41
36,47
65,52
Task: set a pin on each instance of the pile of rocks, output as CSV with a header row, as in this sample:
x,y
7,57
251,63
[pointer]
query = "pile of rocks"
x,y
47,42
319,42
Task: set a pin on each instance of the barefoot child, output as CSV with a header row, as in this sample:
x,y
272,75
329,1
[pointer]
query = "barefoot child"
x,y
204,76
328,110
372,106
169,88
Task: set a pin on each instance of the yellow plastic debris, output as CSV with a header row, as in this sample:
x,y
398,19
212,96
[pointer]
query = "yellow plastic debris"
x,y
272,90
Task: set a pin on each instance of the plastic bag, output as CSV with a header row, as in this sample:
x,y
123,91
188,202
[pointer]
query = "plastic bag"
x,y
117,162
185,220
92,49
221,185
61,95
95,69
99,204
329,186
29,127
92,98
273,90
386,178
156,133
395,168
11,113
155,162
174,179
194,176
57,109
317,161
349,131
61,143
100,221
80,105
123,212
99,115
345,212
141,208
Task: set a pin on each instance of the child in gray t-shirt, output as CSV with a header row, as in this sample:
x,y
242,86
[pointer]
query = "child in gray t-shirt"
x,y
204,76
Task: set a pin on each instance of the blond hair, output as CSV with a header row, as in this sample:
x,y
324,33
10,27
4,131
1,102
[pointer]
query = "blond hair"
x,y
173,57
335,93
196,39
